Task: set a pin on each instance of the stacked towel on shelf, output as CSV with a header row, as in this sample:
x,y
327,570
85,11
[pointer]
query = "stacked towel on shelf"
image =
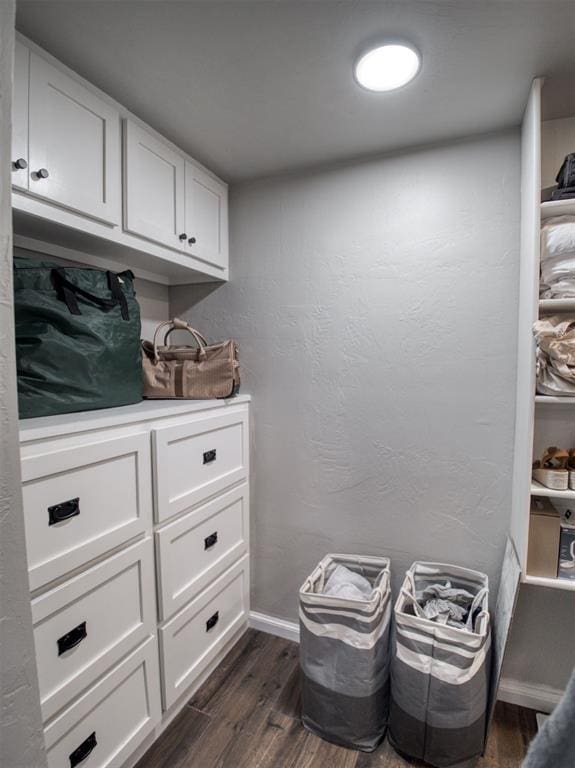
x,y
558,258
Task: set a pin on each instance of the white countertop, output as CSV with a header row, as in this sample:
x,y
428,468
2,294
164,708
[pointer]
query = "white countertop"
x,y
68,423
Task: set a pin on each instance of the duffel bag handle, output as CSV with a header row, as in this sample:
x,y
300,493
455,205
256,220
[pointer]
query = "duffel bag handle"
x,y
178,325
181,325
69,291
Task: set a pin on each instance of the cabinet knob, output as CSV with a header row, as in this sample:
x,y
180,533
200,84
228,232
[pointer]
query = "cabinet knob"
x,y
20,164
192,240
183,236
41,173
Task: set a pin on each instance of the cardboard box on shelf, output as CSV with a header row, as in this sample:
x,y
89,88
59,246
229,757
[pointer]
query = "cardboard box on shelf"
x,y
544,539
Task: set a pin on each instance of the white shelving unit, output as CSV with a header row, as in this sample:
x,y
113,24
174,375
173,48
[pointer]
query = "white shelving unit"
x,y
549,400
533,419
557,208
540,490
542,581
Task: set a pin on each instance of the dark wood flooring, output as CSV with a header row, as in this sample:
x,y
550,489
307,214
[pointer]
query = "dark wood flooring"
x,y
246,715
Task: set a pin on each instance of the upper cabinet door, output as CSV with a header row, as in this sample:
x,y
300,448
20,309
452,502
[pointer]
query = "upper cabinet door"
x,y
206,216
74,142
20,116
153,188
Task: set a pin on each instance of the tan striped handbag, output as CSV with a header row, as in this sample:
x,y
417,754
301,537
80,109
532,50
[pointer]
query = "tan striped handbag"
x,y
200,372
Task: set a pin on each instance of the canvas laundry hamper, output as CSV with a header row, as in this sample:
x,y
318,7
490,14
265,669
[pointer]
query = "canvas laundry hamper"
x,y
440,673
344,655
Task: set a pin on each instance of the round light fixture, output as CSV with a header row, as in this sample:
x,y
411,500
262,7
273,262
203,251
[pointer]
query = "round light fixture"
x,y
387,67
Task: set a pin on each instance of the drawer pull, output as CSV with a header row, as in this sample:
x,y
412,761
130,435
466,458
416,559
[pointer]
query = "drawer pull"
x,y
72,638
211,540
82,752
212,621
210,456
64,511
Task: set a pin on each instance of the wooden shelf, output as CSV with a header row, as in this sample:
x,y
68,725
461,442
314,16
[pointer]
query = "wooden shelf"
x,y
557,305
540,490
550,400
557,208
542,581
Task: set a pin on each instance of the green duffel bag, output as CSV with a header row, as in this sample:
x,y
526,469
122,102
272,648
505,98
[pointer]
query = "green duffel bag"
x,y
77,338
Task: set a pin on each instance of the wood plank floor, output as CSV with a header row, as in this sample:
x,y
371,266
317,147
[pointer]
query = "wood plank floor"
x,y
246,715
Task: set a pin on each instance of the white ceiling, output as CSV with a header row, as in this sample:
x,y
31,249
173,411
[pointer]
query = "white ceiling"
x,y
253,88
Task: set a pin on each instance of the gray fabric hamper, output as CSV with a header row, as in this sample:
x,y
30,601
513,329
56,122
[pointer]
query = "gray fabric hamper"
x,y
344,655
440,673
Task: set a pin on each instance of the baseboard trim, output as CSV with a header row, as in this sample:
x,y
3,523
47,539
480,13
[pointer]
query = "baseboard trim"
x,y
539,697
289,630
542,698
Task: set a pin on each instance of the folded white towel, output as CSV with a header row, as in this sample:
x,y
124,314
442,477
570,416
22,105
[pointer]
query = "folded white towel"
x,y
558,236
345,583
558,257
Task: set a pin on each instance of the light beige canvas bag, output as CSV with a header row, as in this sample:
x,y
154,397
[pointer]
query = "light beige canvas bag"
x,y
200,372
555,355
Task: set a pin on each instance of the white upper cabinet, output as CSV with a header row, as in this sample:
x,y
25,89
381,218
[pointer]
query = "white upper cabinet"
x,y
153,188
81,183
206,216
20,116
74,141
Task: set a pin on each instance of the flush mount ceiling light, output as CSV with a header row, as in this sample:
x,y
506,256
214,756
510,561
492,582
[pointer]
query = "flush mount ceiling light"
x,y
387,67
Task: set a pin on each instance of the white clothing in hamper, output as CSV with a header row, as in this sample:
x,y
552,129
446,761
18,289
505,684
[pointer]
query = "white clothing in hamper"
x,y
345,583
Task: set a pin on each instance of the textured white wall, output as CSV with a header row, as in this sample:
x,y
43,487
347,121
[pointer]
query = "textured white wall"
x,y
375,306
376,309
21,736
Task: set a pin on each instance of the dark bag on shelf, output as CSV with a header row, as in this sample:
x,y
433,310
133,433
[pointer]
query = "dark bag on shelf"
x,y
77,338
566,176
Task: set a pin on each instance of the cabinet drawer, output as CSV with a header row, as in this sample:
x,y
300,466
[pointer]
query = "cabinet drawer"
x,y
191,639
85,625
193,461
81,502
111,719
196,548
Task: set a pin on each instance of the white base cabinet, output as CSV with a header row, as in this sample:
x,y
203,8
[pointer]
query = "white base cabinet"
x,y
111,657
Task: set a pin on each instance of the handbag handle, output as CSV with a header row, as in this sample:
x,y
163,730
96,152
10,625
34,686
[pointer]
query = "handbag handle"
x,y
69,290
177,325
185,327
